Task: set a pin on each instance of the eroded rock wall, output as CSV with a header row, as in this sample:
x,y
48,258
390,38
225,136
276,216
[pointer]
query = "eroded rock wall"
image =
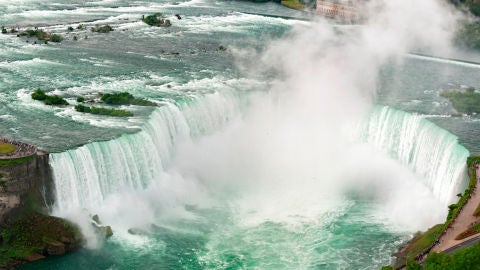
x,y
28,184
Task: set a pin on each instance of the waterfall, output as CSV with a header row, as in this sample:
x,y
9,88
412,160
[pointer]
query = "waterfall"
x,y
430,151
86,175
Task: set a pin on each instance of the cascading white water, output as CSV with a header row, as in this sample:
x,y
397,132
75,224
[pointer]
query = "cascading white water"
x,y
86,175
430,151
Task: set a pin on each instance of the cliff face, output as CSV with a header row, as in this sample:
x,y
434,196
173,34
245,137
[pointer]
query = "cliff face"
x,y
27,232
28,184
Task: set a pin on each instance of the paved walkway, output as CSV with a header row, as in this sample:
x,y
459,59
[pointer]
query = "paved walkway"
x,y
463,221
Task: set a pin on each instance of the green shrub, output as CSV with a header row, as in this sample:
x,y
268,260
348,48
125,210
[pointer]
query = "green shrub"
x,y
125,98
451,210
80,99
4,31
469,35
80,27
56,38
55,100
41,35
475,9
156,19
39,94
102,111
102,29
461,259
70,29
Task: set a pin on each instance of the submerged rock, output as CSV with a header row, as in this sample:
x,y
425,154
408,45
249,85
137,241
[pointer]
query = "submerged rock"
x,y
55,248
136,231
105,231
96,218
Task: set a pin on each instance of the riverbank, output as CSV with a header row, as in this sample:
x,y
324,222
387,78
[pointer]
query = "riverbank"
x,y
444,236
463,221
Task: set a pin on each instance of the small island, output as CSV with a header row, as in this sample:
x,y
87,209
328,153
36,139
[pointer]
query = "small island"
x,y
467,101
125,98
39,94
101,28
40,35
156,19
102,111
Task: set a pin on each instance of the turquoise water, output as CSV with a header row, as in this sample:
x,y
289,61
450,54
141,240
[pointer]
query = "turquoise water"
x,y
187,178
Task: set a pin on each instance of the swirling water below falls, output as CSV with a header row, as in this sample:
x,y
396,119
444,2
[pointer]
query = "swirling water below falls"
x,y
163,215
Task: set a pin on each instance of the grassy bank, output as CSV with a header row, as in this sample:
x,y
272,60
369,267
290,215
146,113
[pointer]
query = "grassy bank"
x,y
295,4
9,162
7,148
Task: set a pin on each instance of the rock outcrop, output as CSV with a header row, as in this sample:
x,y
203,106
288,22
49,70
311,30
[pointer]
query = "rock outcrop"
x,y
27,232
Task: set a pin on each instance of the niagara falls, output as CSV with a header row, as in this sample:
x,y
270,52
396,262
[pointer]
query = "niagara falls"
x,y
229,134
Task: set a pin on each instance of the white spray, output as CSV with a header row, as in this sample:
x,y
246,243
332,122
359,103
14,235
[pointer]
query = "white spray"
x,y
291,156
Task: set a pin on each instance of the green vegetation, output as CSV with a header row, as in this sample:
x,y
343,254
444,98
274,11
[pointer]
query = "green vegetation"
x,y
464,102
70,29
39,94
30,235
80,99
102,29
80,27
40,35
4,31
102,111
468,5
126,98
10,162
295,4
462,259
55,100
419,243
56,38
7,148
469,36
156,19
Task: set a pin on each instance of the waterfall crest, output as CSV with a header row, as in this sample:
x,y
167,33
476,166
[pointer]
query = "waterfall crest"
x,y
430,151
86,175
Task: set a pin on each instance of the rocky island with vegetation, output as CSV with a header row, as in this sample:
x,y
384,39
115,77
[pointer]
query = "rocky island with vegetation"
x,y
465,102
39,94
115,99
157,19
